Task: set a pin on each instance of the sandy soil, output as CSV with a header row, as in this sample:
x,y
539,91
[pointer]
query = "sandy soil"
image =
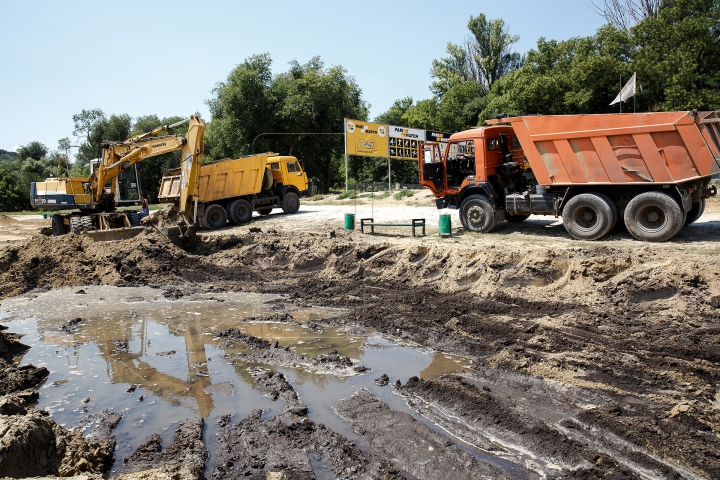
x,y
594,359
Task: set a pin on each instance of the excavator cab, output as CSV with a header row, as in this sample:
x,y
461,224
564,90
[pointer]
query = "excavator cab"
x,y
125,187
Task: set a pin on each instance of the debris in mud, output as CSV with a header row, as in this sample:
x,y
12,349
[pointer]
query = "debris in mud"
x,y
232,334
414,447
275,386
57,383
255,230
167,354
184,457
131,389
121,346
282,448
100,425
226,389
81,292
330,363
16,379
71,326
10,345
383,381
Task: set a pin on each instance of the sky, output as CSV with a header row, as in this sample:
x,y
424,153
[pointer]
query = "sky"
x,y
149,57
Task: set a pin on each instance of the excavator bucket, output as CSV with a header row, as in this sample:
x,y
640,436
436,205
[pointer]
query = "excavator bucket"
x,y
114,234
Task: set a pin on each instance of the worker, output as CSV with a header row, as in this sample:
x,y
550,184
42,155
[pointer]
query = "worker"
x,y
144,207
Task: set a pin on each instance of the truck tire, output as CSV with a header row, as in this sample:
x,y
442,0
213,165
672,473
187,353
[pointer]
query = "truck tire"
x,y
76,225
215,216
264,211
589,216
267,180
515,218
654,217
58,225
291,203
477,214
695,212
613,207
240,211
87,223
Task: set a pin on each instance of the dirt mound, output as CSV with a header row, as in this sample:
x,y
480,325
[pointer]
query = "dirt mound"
x,y
33,445
329,363
167,217
7,221
275,386
231,334
186,452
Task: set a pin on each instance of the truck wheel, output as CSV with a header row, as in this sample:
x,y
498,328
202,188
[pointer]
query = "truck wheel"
x,y
264,211
477,214
87,223
695,212
76,225
613,207
515,218
291,203
215,216
589,216
240,211
654,217
267,180
58,225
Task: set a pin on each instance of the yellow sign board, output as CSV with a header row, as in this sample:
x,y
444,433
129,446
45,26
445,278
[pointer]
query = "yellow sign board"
x,y
365,138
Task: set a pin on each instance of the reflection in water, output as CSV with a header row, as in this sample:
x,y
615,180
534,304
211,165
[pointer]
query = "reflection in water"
x,y
134,336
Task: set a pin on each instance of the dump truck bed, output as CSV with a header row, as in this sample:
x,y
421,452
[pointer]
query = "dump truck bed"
x,y
220,179
637,148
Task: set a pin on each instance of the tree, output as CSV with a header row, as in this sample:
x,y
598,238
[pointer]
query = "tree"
x,y
624,14
484,57
34,150
11,196
95,127
677,56
152,169
308,98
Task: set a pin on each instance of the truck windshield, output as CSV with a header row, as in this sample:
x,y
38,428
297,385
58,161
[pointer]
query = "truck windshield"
x,y
291,167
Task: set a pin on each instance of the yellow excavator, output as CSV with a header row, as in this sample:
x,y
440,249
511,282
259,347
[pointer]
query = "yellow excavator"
x,y
97,197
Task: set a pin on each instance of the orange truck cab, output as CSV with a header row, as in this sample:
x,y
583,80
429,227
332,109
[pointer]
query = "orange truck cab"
x,y
650,171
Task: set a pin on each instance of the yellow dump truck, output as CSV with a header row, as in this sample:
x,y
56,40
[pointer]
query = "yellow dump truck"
x,y
233,188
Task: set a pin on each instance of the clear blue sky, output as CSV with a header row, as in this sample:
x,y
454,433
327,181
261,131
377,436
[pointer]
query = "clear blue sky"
x,y
164,58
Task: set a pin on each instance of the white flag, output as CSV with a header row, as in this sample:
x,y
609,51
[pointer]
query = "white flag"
x,y
627,91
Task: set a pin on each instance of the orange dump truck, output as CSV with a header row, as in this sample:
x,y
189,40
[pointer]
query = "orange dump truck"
x,y
650,171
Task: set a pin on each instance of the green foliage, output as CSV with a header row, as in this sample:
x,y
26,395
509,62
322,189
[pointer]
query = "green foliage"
x,y
317,198
11,195
95,127
351,194
677,56
34,150
308,98
403,194
152,169
483,58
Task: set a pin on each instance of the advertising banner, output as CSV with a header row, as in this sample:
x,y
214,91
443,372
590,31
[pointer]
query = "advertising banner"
x,y
366,138
403,142
437,137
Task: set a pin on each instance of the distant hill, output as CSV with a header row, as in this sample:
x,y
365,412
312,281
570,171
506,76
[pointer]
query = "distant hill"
x,y
4,154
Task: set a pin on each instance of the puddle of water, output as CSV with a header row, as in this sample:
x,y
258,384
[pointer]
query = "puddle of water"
x,y
173,357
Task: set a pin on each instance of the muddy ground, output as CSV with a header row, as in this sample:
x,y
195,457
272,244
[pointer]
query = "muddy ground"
x,y
592,359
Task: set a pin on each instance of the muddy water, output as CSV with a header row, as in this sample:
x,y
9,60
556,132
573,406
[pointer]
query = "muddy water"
x,y
156,361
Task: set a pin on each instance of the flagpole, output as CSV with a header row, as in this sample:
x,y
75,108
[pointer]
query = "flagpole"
x,y
621,85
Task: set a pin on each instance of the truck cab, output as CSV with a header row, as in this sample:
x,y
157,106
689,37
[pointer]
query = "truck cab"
x,y
455,170
288,172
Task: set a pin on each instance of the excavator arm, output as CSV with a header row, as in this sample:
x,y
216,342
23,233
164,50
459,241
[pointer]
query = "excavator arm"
x,y
118,156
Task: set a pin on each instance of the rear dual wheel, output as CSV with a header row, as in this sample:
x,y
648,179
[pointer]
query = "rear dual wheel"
x,y
240,211
589,216
654,217
213,217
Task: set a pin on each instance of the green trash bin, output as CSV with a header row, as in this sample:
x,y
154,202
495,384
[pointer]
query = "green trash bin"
x,y
445,225
349,221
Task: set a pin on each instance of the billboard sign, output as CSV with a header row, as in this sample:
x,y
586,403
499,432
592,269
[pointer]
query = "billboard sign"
x,y
366,138
437,137
404,142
